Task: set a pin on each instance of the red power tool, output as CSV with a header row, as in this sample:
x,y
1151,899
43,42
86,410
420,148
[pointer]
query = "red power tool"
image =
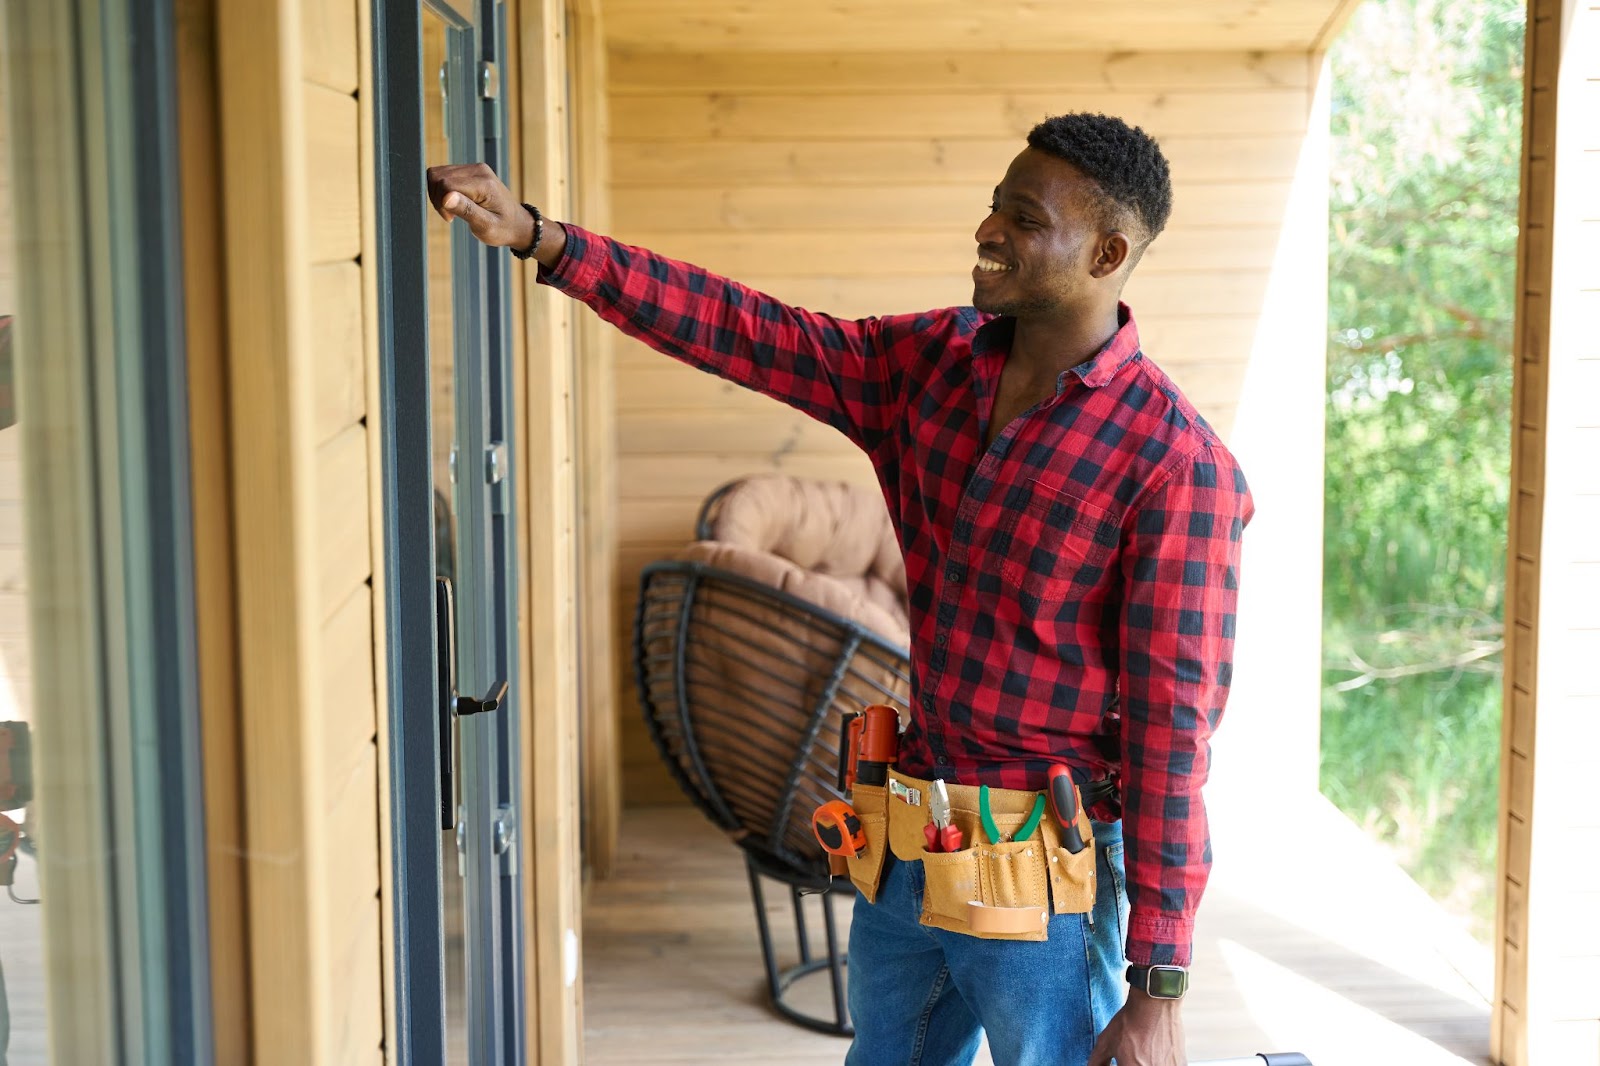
x,y
871,740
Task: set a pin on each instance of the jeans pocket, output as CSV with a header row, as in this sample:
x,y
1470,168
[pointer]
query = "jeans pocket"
x,y
1116,883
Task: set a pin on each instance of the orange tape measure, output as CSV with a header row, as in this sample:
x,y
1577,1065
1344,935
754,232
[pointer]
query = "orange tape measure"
x,y
837,828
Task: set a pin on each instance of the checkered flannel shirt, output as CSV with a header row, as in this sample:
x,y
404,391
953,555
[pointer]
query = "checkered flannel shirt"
x,y
1072,586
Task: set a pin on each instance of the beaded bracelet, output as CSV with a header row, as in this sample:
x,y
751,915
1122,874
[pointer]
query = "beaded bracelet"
x,y
538,233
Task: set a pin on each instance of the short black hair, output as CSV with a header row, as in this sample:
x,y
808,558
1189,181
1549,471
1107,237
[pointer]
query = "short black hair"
x,y
1124,160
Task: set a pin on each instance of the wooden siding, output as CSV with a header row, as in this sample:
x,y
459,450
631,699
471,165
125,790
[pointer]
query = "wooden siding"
x,y
351,930
852,184
547,521
294,138
596,448
1548,1008
954,26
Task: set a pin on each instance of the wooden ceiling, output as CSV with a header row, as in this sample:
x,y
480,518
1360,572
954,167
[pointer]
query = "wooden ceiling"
x,y
985,26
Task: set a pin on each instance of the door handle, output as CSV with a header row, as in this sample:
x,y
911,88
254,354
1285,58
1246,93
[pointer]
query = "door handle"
x,y
489,701
445,625
452,704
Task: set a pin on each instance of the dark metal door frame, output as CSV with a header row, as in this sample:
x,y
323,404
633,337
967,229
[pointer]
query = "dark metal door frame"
x,y
495,1006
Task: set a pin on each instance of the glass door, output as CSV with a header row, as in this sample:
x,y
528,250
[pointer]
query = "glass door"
x,y
447,424
104,954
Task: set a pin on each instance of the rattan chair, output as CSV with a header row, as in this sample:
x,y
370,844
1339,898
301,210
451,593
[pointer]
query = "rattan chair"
x,y
746,662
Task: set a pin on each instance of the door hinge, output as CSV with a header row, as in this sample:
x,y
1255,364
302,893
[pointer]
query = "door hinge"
x,y
497,471
489,92
505,839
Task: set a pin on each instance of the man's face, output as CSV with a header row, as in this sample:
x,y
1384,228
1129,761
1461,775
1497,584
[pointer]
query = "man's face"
x,y
1036,248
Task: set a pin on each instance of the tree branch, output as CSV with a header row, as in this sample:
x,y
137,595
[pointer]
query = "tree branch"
x,y
1457,662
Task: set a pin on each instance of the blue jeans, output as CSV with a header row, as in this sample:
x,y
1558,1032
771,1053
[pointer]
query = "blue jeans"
x,y
920,996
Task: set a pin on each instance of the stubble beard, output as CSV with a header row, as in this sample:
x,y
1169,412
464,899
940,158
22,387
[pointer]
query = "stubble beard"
x,y
1015,308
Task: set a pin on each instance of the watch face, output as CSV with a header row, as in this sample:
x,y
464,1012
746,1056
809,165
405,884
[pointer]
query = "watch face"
x,y
1167,982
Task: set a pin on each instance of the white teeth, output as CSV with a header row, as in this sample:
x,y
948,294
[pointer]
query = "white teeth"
x,y
989,266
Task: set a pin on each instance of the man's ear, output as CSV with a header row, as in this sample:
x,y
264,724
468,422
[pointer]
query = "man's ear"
x,y
1111,255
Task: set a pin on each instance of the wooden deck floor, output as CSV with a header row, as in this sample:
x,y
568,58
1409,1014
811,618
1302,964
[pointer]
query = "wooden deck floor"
x,y
1309,940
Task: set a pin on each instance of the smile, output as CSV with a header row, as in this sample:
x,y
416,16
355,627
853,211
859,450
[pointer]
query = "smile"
x,y
989,266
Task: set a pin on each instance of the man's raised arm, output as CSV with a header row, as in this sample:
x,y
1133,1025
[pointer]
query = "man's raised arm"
x,y
846,373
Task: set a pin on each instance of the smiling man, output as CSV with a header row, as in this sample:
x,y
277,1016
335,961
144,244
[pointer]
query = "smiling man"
x,y
1071,529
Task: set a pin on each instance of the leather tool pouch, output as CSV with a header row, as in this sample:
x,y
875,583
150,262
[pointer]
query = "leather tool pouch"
x,y
1003,891
871,806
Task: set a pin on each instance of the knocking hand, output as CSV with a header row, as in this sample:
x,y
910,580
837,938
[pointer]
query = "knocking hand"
x,y
472,193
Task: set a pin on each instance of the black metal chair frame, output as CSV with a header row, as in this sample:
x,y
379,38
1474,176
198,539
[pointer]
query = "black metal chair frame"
x,y
769,855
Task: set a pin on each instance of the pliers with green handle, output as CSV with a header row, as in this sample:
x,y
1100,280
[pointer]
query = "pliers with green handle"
x,y
986,816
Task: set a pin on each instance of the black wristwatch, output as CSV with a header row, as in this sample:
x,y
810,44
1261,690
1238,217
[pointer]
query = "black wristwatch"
x,y
1159,982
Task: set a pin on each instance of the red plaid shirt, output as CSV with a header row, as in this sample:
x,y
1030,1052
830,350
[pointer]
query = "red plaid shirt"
x,y
1072,587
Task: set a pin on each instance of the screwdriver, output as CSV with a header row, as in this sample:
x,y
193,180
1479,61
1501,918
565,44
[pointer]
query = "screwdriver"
x,y
1064,803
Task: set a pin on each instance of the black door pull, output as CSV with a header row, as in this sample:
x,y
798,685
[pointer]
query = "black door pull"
x,y
452,705
489,701
445,634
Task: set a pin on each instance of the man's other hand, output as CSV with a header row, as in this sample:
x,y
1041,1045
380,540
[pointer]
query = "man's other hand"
x,y
1145,1032
472,193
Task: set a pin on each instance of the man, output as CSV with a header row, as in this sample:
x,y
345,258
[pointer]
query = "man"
x,y
1071,529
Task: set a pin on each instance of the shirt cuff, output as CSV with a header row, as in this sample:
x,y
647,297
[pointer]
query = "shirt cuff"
x,y
1160,941
578,270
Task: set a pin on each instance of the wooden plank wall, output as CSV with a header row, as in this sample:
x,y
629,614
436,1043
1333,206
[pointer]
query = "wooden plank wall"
x,y
1548,1008
853,183
547,519
293,141
352,929
597,493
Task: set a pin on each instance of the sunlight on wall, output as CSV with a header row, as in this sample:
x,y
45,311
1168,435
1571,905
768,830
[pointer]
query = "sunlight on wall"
x,y
1268,742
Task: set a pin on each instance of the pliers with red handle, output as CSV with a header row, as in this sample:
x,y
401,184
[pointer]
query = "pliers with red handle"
x,y
939,833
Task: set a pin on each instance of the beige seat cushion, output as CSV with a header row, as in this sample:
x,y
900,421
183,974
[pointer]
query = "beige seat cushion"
x,y
827,542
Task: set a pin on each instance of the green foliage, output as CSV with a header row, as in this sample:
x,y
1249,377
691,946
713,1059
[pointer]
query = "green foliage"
x,y
1427,114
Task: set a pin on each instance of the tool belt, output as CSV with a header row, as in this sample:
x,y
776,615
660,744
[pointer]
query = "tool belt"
x,y
999,891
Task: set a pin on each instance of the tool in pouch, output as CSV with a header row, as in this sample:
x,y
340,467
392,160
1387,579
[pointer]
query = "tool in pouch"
x,y
939,833
1005,887
837,828
1023,832
1064,804
1015,876
867,747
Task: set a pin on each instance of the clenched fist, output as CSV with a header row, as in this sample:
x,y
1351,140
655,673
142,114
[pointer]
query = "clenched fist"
x,y
472,193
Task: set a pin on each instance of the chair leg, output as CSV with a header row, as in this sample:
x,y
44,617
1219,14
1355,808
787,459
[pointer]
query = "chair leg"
x,y
800,924
779,982
764,930
836,960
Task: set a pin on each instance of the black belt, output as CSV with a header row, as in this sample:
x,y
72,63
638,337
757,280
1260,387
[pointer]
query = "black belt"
x,y
1096,792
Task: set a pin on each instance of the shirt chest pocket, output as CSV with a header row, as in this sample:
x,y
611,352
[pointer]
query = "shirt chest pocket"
x,y
1058,544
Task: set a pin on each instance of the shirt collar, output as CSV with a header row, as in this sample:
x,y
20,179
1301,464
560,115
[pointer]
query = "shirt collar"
x,y
994,337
